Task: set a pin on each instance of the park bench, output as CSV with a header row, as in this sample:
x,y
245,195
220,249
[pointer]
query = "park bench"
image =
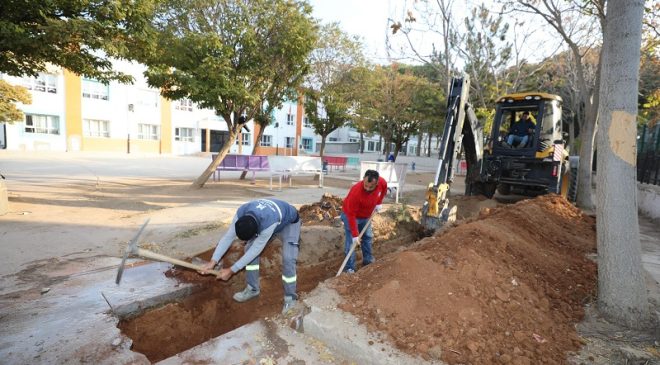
x,y
285,167
336,161
249,163
393,173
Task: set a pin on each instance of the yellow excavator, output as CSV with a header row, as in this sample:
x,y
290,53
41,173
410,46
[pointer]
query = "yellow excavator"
x,y
534,165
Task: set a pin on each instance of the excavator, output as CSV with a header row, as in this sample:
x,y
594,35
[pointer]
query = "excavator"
x,y
539,164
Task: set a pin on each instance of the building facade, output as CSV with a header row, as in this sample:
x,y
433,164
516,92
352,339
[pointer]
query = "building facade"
x,y
72,113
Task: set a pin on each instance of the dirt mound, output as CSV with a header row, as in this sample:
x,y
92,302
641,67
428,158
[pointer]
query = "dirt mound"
x,y
504,288
323,212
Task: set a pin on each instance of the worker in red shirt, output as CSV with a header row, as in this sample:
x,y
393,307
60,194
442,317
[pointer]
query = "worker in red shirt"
x,y
363,199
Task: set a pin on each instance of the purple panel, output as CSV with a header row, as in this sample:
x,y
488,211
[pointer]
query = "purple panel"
x,y
242,161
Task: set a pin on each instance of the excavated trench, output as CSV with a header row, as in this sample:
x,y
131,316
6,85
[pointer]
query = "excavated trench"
x,y
210,311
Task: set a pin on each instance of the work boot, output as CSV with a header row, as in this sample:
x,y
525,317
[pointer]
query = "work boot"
x,y
247,294
289,302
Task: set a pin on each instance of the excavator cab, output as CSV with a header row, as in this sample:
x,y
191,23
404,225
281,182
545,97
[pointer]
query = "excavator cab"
x,y
529,163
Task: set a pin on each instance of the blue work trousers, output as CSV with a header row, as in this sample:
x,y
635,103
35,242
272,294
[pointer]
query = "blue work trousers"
x,y
367,239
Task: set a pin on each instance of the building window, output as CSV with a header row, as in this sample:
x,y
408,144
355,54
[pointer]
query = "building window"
x,y
148,98
44,82
353,140
307,144
45,124
306,123
96,128
289,142
184,134
266,140
332,139
93,89
245,138
289,119
148,131
371,145
184,104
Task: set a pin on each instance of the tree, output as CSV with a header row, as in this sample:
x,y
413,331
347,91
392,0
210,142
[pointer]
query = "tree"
x,y
77,35
9,96
621,287
231,56
327,92
574,22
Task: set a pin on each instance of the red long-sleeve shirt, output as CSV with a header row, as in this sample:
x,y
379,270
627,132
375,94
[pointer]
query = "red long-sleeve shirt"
x,y
360,203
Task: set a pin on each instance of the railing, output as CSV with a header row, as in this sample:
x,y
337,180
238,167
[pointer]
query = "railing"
x,y
648,167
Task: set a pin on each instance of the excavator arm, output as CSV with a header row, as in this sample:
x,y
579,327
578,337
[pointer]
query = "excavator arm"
x,y
457,134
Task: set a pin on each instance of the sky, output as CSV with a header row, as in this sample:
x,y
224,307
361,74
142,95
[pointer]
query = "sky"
x,y
369,20
364,18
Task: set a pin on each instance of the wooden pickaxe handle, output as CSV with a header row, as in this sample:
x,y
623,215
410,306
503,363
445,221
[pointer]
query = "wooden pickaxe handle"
x,y
158,257
350,252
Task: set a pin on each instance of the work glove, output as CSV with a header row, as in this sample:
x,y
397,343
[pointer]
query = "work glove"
x,y
356,241
378,208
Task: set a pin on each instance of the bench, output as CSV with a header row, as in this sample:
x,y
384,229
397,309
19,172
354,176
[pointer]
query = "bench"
x,y
393,173
284,167
247,163
354,162
336,161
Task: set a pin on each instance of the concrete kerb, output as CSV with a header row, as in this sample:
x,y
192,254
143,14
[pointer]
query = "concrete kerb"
x,y
73,323
342,332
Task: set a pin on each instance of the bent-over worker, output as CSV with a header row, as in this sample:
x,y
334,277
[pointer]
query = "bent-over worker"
x,y
361,201
255,223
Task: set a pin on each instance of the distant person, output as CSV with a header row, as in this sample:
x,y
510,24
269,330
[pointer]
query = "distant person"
x,y
364,198
520,131
255,223
390,158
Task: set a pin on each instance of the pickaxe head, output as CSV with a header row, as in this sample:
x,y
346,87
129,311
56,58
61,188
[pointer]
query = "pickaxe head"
x,y
132,248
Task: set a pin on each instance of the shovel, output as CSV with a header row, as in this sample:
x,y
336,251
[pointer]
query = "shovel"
x,y
350,252
133,249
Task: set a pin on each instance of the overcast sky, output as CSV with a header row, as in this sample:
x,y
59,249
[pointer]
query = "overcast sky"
x,y
369,20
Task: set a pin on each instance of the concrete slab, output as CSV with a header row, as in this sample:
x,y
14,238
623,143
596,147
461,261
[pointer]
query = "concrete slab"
x,y
268,341
71,322
342,332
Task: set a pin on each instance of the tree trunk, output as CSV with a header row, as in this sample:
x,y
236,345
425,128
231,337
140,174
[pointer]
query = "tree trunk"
x,y
621,287
322,150
257,143
361,142
204,177
428,145
380,143
587,134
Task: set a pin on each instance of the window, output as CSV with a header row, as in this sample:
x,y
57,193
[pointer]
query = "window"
x,y
245,138
332,139
148,131
184,134
96,128
289,119
148,98
184,104
45,124
93,89
44,82
266,140
353,140
371,146
306,123
307,144
289,142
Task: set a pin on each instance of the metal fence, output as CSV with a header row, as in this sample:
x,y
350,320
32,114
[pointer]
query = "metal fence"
x,y
648,154
648,167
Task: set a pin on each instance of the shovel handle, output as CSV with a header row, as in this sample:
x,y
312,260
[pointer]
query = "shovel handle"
x,y
350,252
158,257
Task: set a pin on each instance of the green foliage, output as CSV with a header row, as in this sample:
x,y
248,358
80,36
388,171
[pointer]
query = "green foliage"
x,y
487,54
329,92
231,56
9,96
398,104
76,35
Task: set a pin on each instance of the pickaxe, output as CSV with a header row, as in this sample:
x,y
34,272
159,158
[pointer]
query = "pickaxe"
x,y
133,249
